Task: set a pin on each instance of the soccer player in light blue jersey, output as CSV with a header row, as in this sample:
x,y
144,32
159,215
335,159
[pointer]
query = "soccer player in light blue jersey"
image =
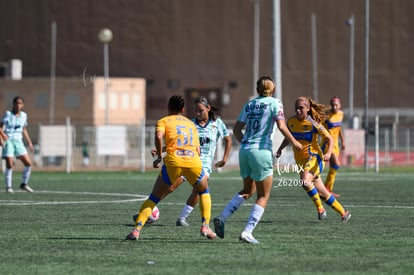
x,y
257,118
210,129
14,125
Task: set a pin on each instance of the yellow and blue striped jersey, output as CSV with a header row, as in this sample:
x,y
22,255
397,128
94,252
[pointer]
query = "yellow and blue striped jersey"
x,y
306,132
334,123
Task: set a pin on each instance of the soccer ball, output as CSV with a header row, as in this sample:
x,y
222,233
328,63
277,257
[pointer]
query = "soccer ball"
x,y
155,215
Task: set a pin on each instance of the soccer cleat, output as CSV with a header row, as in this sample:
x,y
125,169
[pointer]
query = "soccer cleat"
x,y
182,222
26,187
336,195
247,237
346,216
219,226
133,236
322,214
9,190
205,231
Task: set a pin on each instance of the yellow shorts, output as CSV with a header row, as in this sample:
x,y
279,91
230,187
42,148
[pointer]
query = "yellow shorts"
x,y
170,174
314,165
335,149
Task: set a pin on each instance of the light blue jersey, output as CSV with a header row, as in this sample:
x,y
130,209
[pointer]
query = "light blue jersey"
x,y
209,135
260,114
13,125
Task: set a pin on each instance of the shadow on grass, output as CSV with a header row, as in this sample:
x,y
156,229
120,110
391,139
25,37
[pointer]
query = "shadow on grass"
x,y
146,239
82,239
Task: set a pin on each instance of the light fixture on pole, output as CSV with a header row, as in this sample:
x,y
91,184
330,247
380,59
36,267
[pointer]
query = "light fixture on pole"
x,y
105,36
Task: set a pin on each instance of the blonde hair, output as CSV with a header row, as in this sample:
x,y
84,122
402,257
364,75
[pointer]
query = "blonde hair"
x,y
316,111
265,86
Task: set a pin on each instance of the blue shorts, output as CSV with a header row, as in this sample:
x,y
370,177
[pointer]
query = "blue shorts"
x,y
13,148
256,164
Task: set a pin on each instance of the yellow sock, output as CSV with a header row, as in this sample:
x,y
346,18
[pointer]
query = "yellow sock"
x,y
314,195
335,204
205,207
330,178
144,213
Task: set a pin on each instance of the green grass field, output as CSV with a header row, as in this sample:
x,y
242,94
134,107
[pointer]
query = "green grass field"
x,y
76,224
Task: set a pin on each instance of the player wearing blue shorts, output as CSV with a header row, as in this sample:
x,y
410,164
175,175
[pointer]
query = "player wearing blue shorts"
x,y
14,124
333,124
306,126
257,118
180,137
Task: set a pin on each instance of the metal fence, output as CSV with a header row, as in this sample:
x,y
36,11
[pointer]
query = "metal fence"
x,y
395,146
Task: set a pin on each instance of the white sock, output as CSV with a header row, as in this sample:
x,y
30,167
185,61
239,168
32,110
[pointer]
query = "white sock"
x,y
187,209
232,206
8,177
254,218
26,174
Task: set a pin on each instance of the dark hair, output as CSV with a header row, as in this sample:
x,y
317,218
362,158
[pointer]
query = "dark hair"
x,y
212,114
176,103
17,98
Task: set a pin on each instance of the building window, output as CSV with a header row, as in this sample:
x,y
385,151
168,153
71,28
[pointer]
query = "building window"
x,y
113,101
102,101
72,101
42,100
125,101
136,100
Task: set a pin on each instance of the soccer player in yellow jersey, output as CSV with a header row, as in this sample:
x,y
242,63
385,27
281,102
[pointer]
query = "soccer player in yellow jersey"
x,y
334,125
182,146
305,127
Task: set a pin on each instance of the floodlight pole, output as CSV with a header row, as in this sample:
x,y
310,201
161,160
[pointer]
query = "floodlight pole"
x,y
52,73
256,43
366,75
314,58
351,23
277,54
105,36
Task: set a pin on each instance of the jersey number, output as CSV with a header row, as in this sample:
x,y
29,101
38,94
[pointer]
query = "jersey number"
x,y
253,126
186,136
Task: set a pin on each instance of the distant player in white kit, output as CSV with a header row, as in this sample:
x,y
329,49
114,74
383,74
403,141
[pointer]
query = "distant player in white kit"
x,y
14,125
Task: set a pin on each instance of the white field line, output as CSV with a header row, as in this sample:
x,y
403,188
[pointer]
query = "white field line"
x,y
135,198
300,205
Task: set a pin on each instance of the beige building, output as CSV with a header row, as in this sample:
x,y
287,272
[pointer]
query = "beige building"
x,y
82,99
